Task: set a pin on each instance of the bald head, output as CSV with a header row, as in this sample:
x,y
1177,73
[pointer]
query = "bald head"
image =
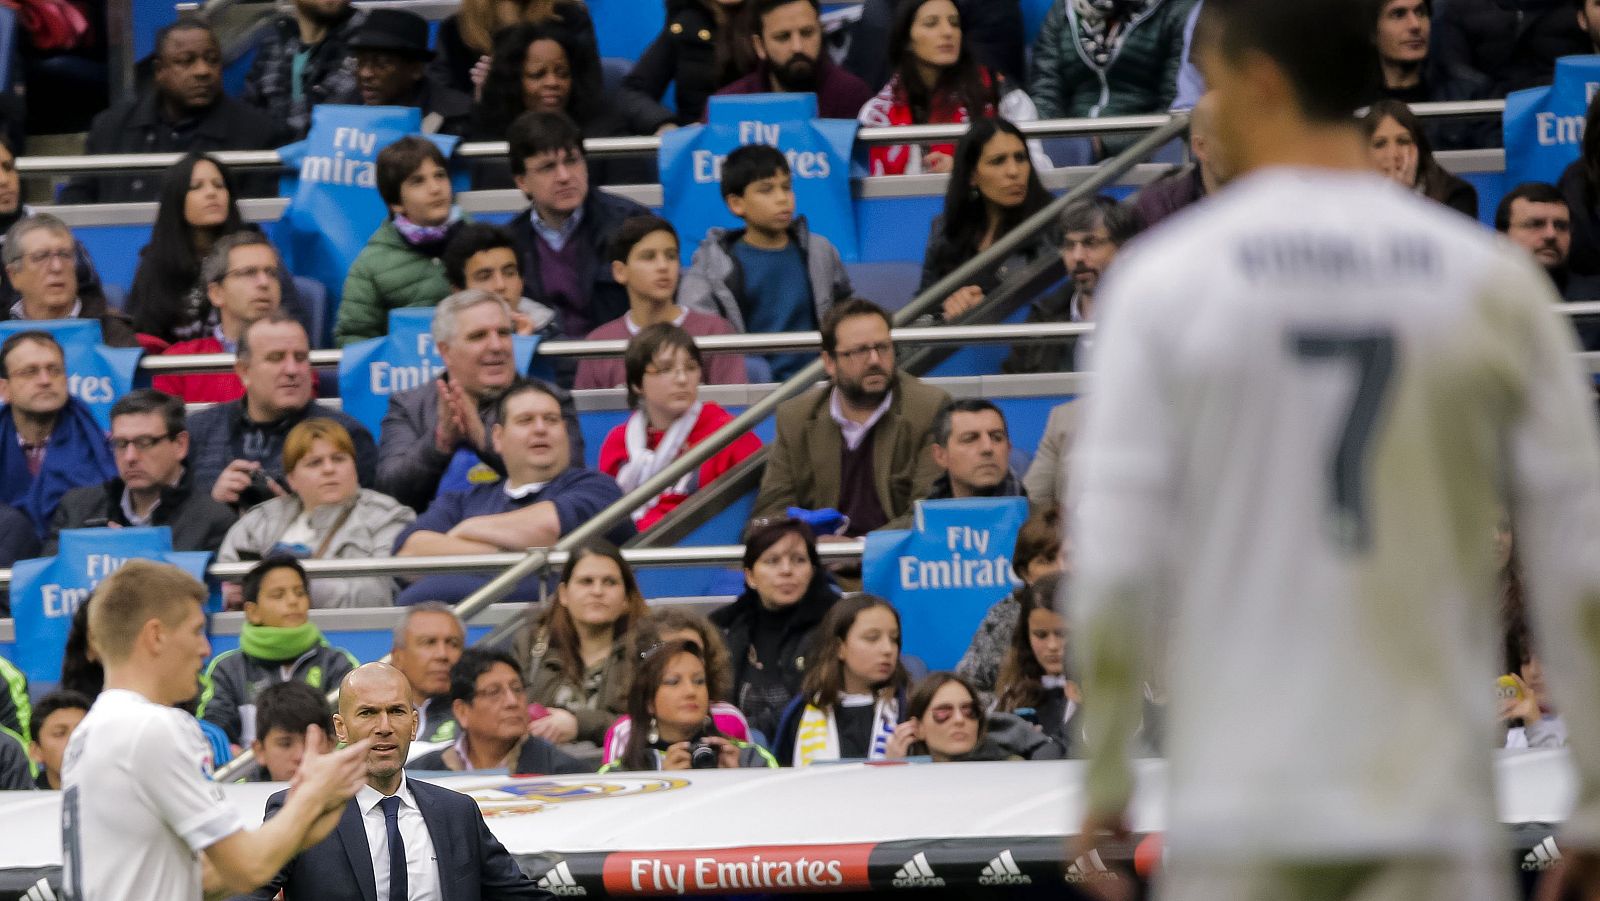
x,y
375,702
1203,142
369,681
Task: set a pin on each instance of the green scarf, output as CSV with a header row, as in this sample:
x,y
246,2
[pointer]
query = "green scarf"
x,y
279,642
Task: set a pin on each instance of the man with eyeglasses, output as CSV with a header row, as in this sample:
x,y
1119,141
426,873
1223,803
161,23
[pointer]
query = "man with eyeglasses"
x,y
242,275
861,445
563,236
488,698
41,260
49,441
149,442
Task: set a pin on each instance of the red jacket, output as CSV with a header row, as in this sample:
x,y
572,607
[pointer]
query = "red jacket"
x,y
614,453
199,389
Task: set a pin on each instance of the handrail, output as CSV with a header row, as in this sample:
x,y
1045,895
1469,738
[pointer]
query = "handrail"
x,y
645,145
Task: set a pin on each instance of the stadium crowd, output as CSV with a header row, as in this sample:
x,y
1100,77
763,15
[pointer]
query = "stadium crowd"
x,y
484,458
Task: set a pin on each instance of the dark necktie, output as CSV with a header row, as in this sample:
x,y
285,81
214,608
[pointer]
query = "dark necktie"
x,y
398,890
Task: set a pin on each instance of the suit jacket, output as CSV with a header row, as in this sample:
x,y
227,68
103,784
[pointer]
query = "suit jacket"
x,y
472,862
803,462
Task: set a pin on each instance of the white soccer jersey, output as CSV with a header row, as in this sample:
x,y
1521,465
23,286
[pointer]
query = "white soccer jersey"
x,y
138,804
1311,398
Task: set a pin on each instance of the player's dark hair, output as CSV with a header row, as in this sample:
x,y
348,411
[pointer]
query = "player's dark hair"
x,y
748,164
1531,191
1324,48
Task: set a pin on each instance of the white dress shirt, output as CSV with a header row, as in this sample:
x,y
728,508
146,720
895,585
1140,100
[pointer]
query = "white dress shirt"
x,y
422,863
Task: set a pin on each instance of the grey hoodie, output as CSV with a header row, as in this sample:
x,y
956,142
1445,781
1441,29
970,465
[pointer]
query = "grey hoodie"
x,y
714,281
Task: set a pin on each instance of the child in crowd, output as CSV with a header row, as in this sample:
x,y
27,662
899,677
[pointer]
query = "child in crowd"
x,y
773,275
54,718
279,643
1033,680
1037,553
284,713
644,261
854,692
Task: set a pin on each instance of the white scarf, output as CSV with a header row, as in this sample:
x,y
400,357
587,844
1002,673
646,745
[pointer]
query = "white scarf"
x,y
643,463
818,736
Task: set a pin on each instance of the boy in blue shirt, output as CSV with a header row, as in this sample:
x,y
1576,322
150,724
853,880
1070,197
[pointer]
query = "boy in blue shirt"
x,y
773,275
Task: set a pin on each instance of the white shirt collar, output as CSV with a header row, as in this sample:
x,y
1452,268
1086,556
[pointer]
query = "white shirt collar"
x,y
77,310
519,492
368,797
627,319
855,432
133,518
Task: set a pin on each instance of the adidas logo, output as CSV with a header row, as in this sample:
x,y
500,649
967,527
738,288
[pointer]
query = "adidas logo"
x,y
917,874
559,882
1089,868
1543,856
1003,871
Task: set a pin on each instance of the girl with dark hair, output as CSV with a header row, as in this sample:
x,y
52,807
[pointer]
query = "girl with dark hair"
x,y
541,67
854,691
771,627
1400,150
1580,185
670,692
576,657
704,47
936,80
467,39
993,188
1038,553
1034,675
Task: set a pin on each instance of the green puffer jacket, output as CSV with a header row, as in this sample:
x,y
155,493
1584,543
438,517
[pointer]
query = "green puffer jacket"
x,y
1141,78
386,275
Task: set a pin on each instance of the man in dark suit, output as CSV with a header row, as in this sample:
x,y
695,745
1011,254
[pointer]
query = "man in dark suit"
x,y
399,838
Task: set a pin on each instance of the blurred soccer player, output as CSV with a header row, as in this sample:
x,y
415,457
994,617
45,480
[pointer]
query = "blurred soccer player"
x,y
1312,397
140,817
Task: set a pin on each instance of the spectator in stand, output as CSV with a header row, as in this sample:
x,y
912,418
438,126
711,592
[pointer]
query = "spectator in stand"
x,y
327,516
304,60
466,39
972,447
664,625
787,36
575,651
170,298
278,643
1108,58
81,670
391,52
400,266
1093,229
993,189
487,697
1401,35
15,711
1580,185
704,47
945,721
483,257
668,418
1589,22
543,496
670,691
1037,554
563,237
1400,150
54,718
853,694
18,541
1193,181
49,441
1045,479
426,452
184,109
427,644
1534,216
237,448
861,445
993,28
1525,705
773,275
284,712
149,441
243,279
644,261
1488,48
41,260
1034,676
771,627
937,79
12,211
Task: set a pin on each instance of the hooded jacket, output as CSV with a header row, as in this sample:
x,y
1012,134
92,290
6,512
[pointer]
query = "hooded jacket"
x,y
714,281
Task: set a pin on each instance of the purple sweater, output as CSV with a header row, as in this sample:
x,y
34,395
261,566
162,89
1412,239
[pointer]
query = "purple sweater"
x,y
609,372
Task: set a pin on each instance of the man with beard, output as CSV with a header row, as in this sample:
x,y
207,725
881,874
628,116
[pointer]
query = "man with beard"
x,y
1095,228
1535,216
862,445
302,61
788,40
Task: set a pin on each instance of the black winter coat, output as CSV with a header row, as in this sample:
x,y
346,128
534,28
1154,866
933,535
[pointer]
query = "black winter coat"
x,y
198,523
684,54
738,623
1487,48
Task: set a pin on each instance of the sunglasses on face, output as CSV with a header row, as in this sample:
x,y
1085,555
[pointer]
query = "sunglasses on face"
x,y
942,713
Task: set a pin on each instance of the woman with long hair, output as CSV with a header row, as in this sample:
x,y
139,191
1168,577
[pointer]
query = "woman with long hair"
x,y
704,47
1037,554
1400,150
467,39
575,655
936,80
994,187
1034,676
854,691
539,67
670,694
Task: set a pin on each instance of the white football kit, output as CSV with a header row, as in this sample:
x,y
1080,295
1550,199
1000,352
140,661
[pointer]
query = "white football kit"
x,y
1313,395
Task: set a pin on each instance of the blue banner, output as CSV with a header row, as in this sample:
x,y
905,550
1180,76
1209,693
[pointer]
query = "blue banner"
x,y
46,592
819,160
334,205
371,370
96,374
1544,126
945,574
